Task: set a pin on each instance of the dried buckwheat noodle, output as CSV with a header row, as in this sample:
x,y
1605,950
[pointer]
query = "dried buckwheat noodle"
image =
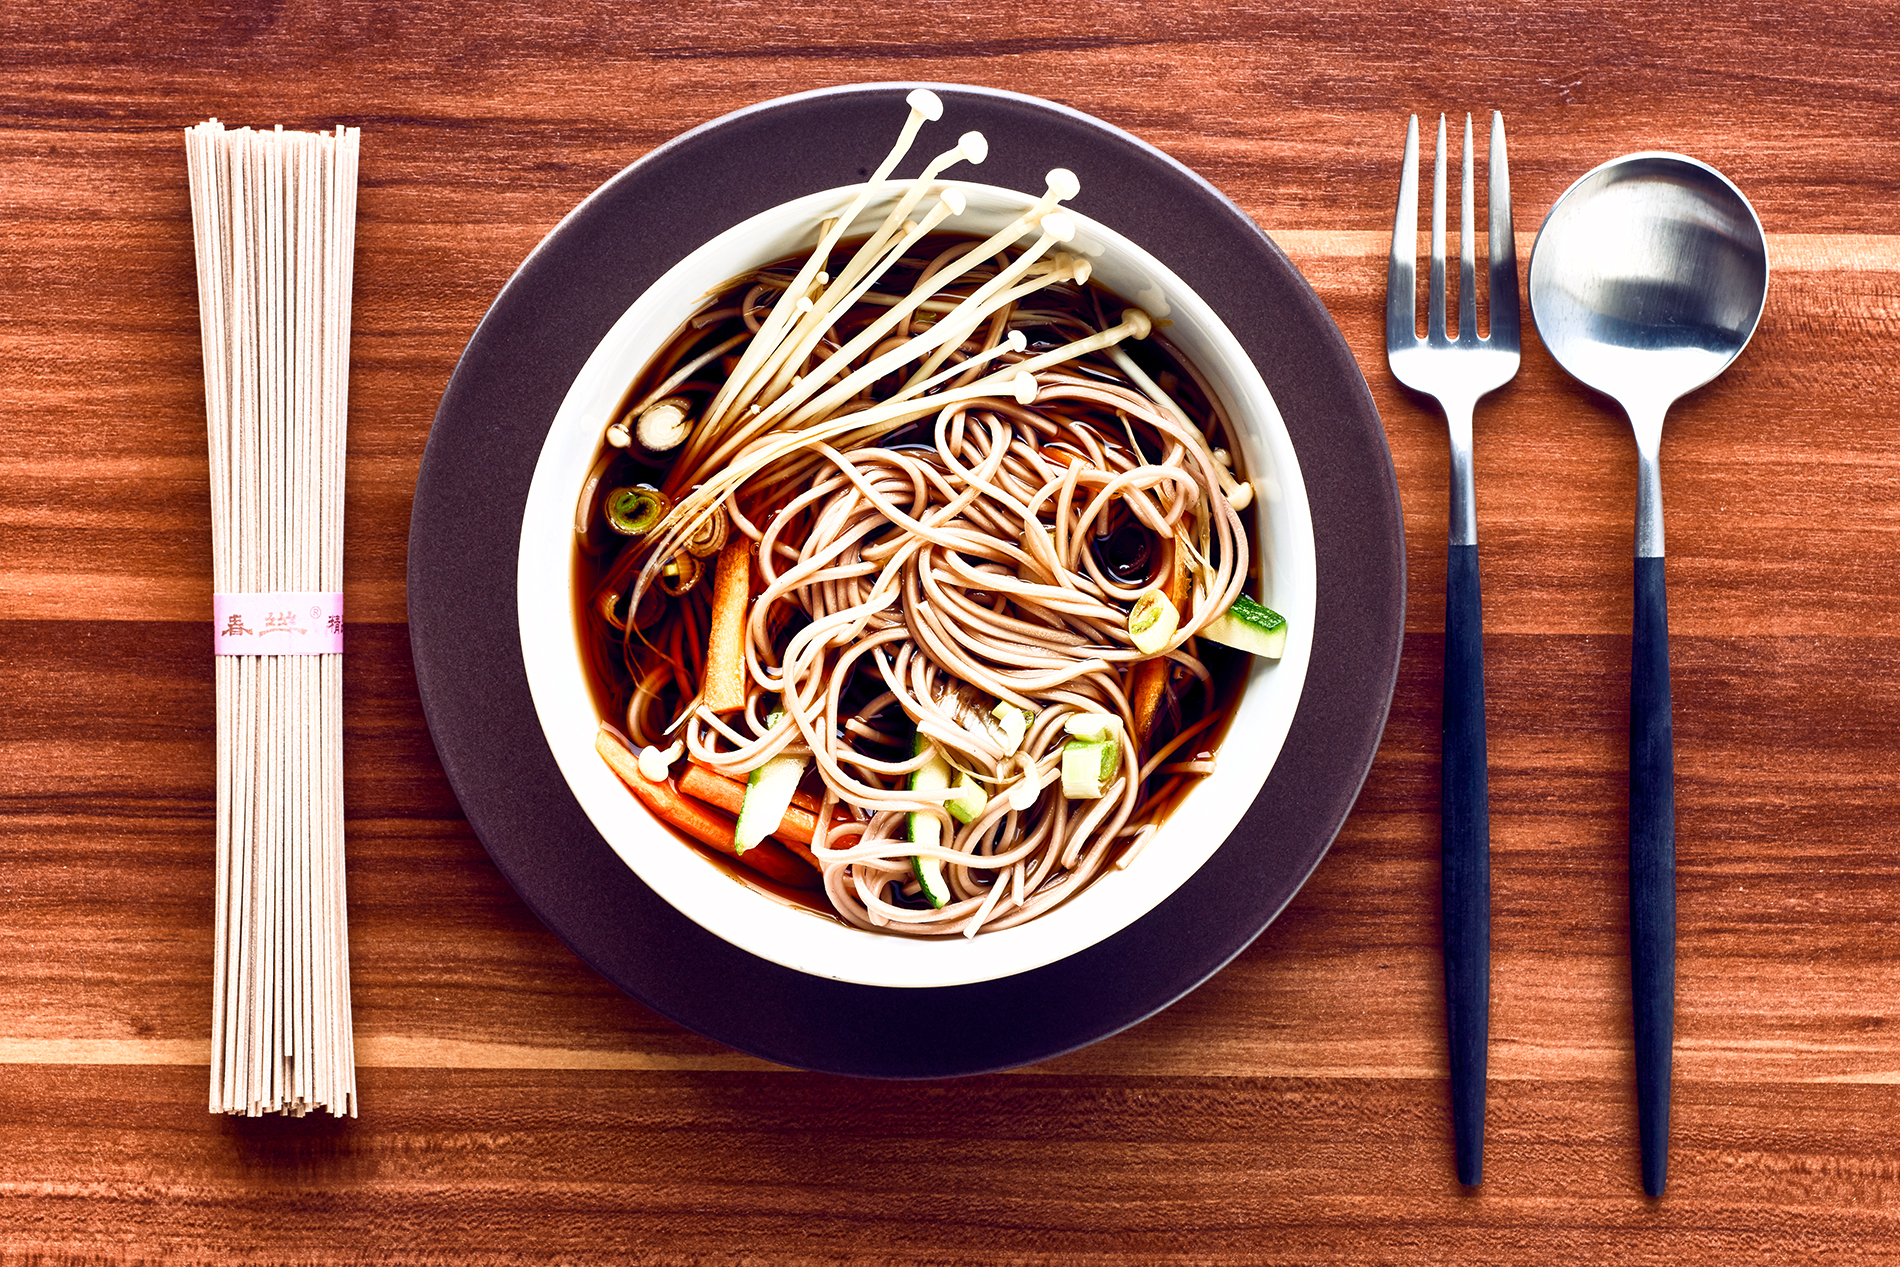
x,y
273,217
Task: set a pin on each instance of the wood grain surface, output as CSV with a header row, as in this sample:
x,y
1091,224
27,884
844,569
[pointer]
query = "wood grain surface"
x,y
515,1107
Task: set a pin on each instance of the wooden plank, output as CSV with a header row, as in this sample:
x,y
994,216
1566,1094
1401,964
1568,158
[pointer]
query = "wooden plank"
x,y
458,1165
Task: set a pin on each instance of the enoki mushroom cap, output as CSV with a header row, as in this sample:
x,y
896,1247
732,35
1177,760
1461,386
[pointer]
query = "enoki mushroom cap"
x,y
974,146
1063,184
926,103
1059,225
1138,323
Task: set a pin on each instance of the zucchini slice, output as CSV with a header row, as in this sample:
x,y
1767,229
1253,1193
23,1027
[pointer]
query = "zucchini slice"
x,y
768,794
1249,626
927,829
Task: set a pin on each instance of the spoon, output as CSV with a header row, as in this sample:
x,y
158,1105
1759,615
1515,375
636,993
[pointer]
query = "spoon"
x,y
1646,281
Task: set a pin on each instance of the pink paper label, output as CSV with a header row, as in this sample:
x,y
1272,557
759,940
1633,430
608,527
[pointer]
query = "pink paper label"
x,y
277,623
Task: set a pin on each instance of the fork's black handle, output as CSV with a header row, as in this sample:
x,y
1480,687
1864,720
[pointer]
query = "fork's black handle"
x,y
1465,833
1652,869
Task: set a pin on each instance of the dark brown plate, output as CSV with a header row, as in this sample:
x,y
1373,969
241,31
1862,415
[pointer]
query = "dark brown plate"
x,y
466,523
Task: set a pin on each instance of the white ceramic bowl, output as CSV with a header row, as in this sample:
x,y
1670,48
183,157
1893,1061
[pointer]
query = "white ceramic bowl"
x,y
798,938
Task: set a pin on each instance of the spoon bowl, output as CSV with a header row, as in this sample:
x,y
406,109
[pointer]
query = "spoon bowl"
x,y
1646,281
1648,278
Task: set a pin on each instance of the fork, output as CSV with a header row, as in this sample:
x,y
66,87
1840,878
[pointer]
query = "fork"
x,y
1458,372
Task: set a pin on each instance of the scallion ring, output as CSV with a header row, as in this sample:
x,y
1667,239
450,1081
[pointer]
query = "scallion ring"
x,y
632,512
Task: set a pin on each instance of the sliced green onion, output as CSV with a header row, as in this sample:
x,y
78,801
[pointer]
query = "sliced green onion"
x,y
1011,724
632,512
1088,766
1152,621
608,605
969,801
1088,725
664,425
680,573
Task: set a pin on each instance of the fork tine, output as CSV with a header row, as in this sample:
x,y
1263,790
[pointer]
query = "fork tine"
x,y
1504,319
1401,278
1435,299
1467,258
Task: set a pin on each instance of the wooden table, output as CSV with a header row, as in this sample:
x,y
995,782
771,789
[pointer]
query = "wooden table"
x,y
1294,1109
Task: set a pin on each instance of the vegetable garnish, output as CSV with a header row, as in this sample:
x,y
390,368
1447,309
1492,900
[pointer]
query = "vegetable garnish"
x,y
926,828
796,830
664,425
725,644
1088,765
1152,621
969,801
1151,678
1249,626
710,537
768,794
698,820
1011,724
633,512
1090,725
681,573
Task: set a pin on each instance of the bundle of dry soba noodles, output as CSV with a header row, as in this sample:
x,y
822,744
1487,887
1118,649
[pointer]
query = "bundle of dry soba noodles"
x,y
908,538
274,226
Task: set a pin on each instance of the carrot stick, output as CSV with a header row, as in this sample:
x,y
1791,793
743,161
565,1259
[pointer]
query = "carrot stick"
x,y
699,820
1144,688
801,798
724,681
770,858
797,829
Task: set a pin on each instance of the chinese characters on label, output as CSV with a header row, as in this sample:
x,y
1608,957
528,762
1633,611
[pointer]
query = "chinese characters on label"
x,y
277,623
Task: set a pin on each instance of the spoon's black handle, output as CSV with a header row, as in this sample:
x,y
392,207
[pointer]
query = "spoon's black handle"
x,y
1652,869
1465,834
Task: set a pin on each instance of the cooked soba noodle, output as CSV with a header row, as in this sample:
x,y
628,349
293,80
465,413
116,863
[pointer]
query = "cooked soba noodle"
x,y
948,484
